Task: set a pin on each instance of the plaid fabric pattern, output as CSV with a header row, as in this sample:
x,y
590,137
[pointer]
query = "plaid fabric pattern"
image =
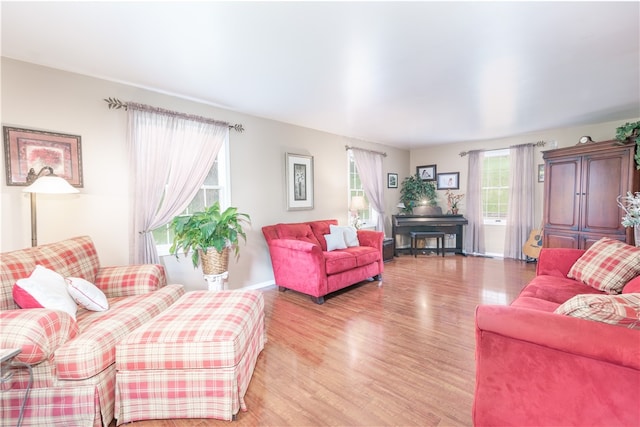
x,y
130,280
38,332
13,266
63,403
94,349
607,265
55,341
622,310
76,257
195,360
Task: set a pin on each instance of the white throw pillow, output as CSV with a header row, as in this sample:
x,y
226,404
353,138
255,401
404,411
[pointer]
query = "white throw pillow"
x,y
44,289
335,241
350,234
86,294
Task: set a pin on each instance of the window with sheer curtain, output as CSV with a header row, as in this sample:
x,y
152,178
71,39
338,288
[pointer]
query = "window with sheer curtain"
x,y
214,189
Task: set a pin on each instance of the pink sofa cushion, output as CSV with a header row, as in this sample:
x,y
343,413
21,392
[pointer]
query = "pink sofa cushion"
x,y
299,231
607,265
37,331
555,289
365,254
621,310
320,228
339,261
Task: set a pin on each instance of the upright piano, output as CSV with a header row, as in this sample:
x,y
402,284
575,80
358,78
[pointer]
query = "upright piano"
x,y
448,224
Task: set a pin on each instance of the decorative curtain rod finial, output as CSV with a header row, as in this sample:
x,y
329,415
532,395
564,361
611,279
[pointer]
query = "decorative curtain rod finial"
x,y
115,103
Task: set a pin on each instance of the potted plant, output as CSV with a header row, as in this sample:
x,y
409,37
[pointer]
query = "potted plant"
x,y
209,235
414,192
453,201
630,204
630,133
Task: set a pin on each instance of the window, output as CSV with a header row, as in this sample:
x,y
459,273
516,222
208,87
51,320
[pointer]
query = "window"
x,y
368,217
214,189
495,186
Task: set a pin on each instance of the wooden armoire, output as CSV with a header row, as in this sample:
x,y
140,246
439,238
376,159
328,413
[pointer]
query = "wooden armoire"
x,y
580,190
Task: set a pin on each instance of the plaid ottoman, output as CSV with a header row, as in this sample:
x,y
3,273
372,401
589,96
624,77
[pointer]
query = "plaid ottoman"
x,y
194,360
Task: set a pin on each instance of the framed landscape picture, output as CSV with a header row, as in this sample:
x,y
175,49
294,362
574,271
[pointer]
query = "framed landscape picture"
x,y
27,149
299,177
427,172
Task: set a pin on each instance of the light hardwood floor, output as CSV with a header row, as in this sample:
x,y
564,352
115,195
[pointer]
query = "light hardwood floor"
x,y
396,353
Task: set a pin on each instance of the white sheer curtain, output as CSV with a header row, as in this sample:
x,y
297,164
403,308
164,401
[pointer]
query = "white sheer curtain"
x,y
170,156
474,234
369,165
521,199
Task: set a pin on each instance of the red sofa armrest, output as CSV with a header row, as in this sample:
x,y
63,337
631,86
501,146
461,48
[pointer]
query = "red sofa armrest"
x,y
371,238
298,265
557,261
562,333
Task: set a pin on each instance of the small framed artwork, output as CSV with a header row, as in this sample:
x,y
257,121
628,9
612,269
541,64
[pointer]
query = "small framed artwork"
x,y
426,173
299,177
392,180
541,172
27,149
448,181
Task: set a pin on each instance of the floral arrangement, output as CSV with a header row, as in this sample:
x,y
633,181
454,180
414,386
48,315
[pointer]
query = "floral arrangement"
x,y
453,199
630,204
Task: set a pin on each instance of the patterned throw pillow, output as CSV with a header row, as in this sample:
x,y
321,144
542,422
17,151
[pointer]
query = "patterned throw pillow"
x,y
607,265
622,310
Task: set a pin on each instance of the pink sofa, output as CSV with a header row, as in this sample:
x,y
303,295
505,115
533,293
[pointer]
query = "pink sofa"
x,y
538,368
72,361
301,261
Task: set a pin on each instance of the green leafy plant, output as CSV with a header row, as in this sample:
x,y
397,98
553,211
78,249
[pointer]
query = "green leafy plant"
x,y
209,228
414,191
630,133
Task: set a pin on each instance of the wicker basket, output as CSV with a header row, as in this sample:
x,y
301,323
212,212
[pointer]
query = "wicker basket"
x,y
214,262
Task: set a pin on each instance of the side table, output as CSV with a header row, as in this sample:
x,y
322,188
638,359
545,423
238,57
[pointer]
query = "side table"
x,y
388,248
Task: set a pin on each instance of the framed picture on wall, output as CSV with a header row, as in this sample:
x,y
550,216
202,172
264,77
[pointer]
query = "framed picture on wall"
x,y
27,149
426,173
448,181
541,172
299,178
392,180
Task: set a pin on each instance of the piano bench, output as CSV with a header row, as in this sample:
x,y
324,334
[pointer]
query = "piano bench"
x,y
439,236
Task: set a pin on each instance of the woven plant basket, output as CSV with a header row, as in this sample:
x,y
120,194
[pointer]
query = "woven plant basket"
x,y
214,262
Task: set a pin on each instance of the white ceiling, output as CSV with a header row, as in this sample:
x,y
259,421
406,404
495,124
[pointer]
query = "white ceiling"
x,y
406,74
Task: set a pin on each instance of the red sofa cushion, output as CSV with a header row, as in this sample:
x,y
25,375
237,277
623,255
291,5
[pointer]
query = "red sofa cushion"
x,y
339,261
300,231
555,289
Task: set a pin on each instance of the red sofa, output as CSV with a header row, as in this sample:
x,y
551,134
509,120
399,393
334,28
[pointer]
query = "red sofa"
x,y
302,263
538,368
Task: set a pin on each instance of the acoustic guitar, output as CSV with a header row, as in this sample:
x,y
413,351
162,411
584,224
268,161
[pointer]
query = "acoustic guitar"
x,y
533,244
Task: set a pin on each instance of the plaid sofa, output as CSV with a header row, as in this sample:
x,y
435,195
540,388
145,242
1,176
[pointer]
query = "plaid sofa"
x,y
73,361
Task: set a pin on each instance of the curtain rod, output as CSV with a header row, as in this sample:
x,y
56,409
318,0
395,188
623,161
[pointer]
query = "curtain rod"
x,y
116,104
535,144
370,151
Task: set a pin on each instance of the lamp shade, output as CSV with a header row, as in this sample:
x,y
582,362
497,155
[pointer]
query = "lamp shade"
x,y
51,185
358,203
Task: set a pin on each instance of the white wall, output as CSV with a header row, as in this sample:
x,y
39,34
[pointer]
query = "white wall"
x,y
37,97
447,158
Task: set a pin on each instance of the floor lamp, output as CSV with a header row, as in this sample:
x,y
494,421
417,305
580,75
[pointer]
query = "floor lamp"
x,y
45,182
